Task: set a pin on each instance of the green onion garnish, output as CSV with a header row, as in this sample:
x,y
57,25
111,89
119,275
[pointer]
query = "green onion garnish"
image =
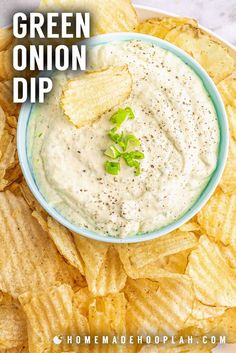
x,y
130,141
121,115
112,152
124,142
112,167
114,136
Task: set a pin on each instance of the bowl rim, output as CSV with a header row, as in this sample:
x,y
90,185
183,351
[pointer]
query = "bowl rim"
x,y
209,85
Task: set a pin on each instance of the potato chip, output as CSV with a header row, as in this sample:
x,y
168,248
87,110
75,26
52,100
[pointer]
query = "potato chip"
x,y
82,300
28,257
112,277
201,311
145,253
6,38
203,319
2,121
110,309
211,55
191,226
7,156
38,211
13,175
12,121
12,326
86,98
107,15
55,308
20,349
231,113
159,27
219,326
6,68
6,101
166,267
217,217
228,180
229,253
227,89
214,280
178,348
227,326
103,269
64,242
107,317
158,308
93,254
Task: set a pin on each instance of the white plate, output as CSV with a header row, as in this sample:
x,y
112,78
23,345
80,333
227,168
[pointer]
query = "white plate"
x,y
145,12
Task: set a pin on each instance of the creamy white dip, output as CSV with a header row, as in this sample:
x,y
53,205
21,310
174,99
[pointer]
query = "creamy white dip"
x,y
176,123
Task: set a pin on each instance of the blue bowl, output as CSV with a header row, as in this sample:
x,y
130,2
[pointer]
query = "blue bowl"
x,y
210,187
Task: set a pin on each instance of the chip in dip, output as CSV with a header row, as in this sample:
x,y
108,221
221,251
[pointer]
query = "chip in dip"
x,y
176,123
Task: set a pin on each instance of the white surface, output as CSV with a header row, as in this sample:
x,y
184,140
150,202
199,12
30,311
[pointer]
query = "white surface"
x,y
217,15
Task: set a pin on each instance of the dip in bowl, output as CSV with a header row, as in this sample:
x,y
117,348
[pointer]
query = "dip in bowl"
x,y
180,122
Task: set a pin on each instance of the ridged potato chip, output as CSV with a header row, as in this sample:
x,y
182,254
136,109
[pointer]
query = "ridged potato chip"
x,y
228,180
159,27
107,316
145,253
203,320
82,299
112,311
224,325
6,101
55,308
7,151
229,253
158,308
28,257
6,67
13,176
64,242
107,15
93,254
171,266
86,98
227,326
37,211
112,277
13,331
102,266
178,348
217,217
201,311
227,89
214,280
231,113
20,349
211,55
6,38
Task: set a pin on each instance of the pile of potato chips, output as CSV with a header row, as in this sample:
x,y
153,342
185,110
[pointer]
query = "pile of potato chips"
x,y
53,282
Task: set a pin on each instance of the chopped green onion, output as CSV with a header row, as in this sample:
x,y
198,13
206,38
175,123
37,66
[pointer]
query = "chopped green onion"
x,y
121,115
112,167
112,152
114,136
130,156
130,140
130,159
130,113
